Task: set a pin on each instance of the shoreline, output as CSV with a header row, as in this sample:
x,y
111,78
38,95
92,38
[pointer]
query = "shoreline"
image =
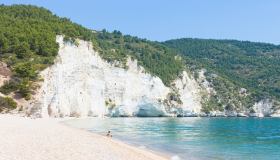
x,y
49,139
115,140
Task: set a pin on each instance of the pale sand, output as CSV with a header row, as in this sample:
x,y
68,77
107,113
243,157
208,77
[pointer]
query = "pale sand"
x,y
47,139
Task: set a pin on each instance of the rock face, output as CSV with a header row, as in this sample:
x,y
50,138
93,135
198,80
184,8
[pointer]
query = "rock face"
x,y
81,83
5,73
189,92
263,108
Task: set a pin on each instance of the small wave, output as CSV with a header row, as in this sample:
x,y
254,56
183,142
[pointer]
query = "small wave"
x,y
270,137
175,158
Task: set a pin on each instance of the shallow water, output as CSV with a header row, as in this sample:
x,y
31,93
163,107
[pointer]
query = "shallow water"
x,y
195,138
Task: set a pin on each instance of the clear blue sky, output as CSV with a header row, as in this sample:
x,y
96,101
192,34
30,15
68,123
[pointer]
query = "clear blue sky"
x,y
254,20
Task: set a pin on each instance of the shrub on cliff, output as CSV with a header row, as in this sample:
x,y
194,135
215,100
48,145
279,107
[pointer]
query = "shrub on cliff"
x,y
7,103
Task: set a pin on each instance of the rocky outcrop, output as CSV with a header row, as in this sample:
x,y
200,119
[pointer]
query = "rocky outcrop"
x,y
263,108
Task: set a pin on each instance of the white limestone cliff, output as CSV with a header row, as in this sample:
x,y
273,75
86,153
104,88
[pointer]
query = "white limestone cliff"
x,y
189,92
262,108
81,83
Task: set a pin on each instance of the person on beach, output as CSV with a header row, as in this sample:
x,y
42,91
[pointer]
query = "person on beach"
x,y
109,134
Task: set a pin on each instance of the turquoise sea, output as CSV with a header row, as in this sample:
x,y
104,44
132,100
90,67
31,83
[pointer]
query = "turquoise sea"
x,y
195,138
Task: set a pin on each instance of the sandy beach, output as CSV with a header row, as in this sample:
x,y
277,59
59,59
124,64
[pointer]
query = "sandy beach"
x,y
47,139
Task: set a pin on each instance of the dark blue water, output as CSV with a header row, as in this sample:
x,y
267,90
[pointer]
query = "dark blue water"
x,y
196,138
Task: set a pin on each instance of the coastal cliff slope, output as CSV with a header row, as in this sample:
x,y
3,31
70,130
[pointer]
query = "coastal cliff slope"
x,y
51,66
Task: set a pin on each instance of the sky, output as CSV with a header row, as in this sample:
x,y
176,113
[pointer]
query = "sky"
x,y
160,20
